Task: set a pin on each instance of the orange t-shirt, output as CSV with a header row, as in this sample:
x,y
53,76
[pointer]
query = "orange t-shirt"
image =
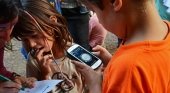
x,y
143,67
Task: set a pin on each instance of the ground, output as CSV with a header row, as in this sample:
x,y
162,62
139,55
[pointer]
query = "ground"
x,y
15,62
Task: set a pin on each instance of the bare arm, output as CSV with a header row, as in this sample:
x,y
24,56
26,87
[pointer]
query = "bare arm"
x,y
9,87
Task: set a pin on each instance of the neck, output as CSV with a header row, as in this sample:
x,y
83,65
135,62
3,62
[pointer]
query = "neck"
x,y
148,26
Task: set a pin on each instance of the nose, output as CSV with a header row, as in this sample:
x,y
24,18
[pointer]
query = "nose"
x,y
32,43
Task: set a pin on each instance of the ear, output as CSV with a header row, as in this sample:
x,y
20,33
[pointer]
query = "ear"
x,y
53,18
117,4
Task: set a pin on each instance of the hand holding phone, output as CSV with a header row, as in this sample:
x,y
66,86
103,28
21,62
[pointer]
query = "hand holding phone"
x,y
103,54
92,78
76,52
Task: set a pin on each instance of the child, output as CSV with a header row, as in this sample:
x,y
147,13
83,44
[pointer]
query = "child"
x,y
142,63
45,36
8,19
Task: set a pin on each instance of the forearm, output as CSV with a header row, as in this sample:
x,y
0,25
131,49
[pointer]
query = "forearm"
x,y
109,57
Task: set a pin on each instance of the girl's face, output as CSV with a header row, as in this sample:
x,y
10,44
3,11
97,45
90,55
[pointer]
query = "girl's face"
x,y
39,41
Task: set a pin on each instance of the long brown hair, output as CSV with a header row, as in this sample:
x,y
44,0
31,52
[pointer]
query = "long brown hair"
x,y
41,10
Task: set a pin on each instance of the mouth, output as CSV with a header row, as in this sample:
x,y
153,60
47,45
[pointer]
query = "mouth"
x,y
46,53
33,52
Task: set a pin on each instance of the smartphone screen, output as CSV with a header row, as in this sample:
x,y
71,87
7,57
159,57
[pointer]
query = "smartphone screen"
x,y
81,54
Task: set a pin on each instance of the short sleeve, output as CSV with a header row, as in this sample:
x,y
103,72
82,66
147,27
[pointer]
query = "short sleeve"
x,y
127,78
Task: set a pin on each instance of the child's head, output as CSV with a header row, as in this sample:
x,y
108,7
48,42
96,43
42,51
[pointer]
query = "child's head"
x,y
8,18
40,26
118,15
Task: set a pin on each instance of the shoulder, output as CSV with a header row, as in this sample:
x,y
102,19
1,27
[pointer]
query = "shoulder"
x,y
129,63
135,65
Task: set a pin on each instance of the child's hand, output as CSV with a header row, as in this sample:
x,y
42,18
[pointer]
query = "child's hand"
x,y
93,79
44,62
102,53
25,82
9,87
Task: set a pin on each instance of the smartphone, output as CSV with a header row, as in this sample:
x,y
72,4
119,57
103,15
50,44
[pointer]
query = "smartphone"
x,y
77,52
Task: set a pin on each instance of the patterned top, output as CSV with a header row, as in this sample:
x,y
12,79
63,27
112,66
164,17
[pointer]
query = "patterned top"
x,y
73,83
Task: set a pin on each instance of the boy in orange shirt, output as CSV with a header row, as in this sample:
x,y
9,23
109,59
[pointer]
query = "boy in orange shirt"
x,y
142,63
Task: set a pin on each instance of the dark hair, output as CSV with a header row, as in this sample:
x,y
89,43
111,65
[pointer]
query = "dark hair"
x,y
41,10
8,11
98,3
